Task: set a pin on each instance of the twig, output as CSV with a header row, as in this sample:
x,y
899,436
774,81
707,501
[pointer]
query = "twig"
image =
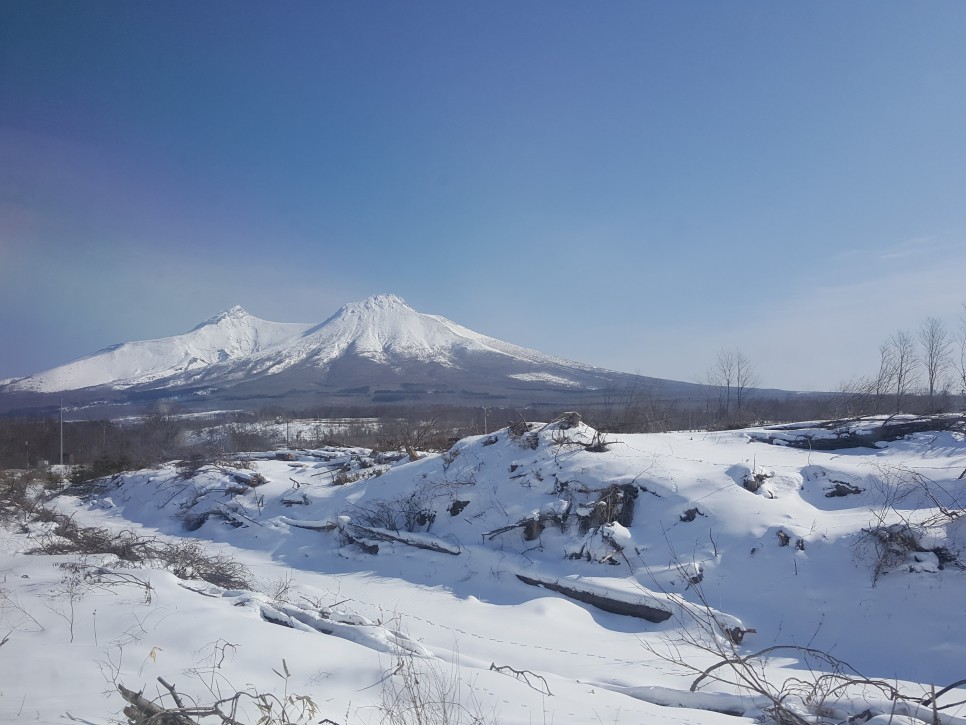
x,y
524,676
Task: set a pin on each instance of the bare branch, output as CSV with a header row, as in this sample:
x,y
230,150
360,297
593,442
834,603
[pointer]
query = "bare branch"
x,y
524,676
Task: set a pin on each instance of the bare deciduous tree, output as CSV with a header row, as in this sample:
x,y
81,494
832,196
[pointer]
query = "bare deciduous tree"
x,y
899,352
935,354
745,377
885,379
722,376
961,339
733,374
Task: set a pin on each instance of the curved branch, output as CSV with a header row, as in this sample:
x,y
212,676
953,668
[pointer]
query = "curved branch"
x,y
947,688
743,661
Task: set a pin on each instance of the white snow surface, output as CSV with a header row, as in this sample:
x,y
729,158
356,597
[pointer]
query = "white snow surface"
x,y
236,345
545,378
350,617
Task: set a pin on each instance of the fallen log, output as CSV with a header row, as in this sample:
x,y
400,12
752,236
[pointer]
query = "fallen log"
x,y
323,526
600,600
504,529
415,540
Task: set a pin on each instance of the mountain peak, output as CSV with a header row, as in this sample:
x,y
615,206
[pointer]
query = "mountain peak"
x,y
380,302
232,313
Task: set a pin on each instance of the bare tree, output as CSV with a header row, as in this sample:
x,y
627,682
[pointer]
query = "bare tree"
x,y
884,381
722,376
961,339
900,353
745,377
935,354
870,394
855,397
733,374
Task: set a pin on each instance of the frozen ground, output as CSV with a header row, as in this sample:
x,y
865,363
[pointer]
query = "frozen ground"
x,y
448,567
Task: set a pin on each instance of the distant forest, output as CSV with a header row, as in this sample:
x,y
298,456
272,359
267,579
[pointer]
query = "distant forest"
x,y
37,442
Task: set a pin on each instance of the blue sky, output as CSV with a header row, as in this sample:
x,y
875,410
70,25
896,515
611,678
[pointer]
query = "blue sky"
x,y
629,184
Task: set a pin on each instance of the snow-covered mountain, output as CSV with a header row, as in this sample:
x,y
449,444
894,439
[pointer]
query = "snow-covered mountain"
x,y
378,350
384,332
228,337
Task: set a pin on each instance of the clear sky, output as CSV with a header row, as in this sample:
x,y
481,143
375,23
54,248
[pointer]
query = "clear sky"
x,y
628,184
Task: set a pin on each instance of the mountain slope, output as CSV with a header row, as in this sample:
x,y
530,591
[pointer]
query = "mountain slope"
x,y
230,336
385,330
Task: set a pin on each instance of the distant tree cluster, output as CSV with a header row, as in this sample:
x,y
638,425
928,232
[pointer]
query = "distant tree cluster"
x,y
106,445
918,372
103,447
732,376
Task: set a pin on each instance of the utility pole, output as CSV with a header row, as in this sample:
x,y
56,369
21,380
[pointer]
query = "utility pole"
x,y
61,431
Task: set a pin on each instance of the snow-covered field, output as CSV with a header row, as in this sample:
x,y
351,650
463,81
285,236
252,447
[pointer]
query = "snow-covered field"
x,y
401,583
297,433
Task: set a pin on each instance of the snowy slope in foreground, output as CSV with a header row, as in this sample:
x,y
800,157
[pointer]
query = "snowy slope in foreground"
x,y
366,559
230,336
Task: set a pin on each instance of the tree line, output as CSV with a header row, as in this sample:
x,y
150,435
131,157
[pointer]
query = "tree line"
x,y
919,372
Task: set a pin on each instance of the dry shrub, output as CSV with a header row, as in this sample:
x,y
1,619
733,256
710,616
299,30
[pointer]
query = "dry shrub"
x,y
912,518
189,560
17,496
68,537
419,692
185,559
615,503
